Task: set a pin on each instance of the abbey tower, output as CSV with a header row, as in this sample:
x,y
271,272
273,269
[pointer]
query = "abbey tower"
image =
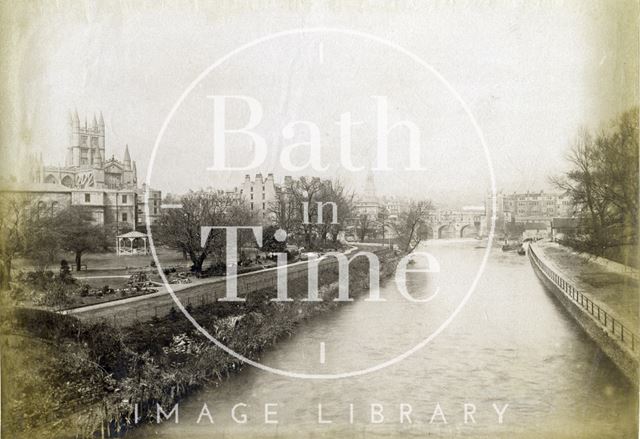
x,y
86,163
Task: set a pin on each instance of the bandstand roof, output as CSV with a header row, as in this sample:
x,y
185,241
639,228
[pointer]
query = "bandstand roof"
x,y
133,234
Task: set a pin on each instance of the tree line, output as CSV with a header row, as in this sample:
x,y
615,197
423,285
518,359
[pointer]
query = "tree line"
x,y
314,212
27,232
603,184
294,210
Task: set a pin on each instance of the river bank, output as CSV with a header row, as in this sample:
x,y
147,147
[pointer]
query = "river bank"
x,y
89,384
511,344
613,286
593,310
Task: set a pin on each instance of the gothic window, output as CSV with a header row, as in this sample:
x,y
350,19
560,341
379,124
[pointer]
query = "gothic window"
x,y
124,217
124,199
67,181
41,208
54,207
87,198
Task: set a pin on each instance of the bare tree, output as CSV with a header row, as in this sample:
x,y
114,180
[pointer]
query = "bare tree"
x,y
603,185
289,208
284,209
363,227
16,214
383,221
181,227
78,234
307,194
410,225
333,191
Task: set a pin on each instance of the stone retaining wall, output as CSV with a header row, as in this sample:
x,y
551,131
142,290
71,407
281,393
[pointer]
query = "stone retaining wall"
x,y
622,355
126,312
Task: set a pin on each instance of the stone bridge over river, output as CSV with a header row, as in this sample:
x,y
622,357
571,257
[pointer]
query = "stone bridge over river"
x,y
455,224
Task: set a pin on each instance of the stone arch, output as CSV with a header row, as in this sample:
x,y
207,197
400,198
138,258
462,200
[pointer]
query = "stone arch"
x,y
67,181
426,231
54,207
50,179
470,230
446,231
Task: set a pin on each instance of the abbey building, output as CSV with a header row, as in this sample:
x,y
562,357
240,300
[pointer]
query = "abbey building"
x,y
86,165
106,186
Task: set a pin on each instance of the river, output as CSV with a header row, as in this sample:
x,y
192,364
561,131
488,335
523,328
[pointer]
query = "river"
x,y
510,344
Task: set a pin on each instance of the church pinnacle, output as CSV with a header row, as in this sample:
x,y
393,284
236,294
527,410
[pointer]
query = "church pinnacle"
x,y
127,157
370,187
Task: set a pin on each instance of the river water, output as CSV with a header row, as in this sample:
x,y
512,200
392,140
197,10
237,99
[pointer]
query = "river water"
x,y
510,344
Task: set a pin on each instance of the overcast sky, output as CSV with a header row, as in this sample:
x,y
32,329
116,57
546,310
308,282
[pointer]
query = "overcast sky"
x,y
531,73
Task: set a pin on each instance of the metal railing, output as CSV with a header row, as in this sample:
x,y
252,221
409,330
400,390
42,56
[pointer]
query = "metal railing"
x,y
616,329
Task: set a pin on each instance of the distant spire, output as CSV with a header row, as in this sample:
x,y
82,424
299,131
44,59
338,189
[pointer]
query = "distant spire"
x,y
370,188
85,121
127,157
76,119
101,120
95,122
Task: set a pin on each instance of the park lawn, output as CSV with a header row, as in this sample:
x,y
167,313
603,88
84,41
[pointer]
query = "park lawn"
x,y
107,261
